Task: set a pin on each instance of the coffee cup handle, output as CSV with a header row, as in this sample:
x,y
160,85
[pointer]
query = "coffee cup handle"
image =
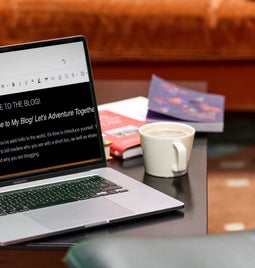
x,y
181,157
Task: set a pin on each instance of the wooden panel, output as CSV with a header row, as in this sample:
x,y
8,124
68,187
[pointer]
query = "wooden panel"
x,y
25,258
115,90
235,80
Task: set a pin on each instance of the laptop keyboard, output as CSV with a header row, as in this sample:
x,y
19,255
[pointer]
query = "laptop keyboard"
x,y
56,194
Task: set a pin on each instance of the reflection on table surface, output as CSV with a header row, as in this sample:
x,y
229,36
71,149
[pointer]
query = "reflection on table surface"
x,y
190,188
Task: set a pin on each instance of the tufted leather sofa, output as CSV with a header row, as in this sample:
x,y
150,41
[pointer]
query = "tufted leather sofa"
x,y
209,40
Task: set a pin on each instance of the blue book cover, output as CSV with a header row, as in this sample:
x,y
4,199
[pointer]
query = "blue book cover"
x,y
171,102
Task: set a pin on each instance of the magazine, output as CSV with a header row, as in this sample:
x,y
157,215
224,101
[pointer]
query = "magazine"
x,y
171,102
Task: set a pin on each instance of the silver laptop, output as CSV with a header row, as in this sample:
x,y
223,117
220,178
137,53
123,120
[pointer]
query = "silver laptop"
x,y
53,173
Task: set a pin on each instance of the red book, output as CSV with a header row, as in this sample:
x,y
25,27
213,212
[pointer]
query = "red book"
x,y
122,131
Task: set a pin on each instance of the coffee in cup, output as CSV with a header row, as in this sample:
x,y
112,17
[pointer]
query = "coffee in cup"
x,y
166,148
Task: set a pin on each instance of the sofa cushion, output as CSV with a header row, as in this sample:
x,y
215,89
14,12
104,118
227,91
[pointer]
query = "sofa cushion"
x,y
141,30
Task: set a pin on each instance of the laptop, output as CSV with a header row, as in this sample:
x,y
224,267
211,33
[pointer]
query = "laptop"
x,y
54,176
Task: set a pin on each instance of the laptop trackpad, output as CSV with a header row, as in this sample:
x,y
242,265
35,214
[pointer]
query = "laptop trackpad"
x,y
89,212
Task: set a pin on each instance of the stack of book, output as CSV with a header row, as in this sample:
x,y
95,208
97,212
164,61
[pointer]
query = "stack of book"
x,y
122,132
166,101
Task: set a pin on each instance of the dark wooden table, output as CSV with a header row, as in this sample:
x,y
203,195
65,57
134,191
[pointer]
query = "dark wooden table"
x,y
191,189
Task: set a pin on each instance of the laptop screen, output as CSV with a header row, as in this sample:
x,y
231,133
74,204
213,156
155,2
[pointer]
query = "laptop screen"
x,y
48,113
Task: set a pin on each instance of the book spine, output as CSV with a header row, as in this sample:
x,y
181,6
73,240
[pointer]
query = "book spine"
x,y
116,151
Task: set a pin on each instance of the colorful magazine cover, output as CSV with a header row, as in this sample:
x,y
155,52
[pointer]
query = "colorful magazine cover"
x,y
169,99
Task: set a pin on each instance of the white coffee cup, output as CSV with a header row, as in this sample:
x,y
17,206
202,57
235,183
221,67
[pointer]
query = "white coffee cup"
x,y
166,148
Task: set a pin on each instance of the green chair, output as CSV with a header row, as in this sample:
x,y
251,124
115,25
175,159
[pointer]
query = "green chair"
x,y
231,250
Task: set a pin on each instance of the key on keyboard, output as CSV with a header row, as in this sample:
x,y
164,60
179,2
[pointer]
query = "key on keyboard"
x,y
56,193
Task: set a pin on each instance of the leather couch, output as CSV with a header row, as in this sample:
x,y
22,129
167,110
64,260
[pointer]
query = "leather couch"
x,y
208,40
233,250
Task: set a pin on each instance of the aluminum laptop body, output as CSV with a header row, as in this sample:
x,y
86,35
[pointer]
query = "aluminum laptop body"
x,y
50,132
